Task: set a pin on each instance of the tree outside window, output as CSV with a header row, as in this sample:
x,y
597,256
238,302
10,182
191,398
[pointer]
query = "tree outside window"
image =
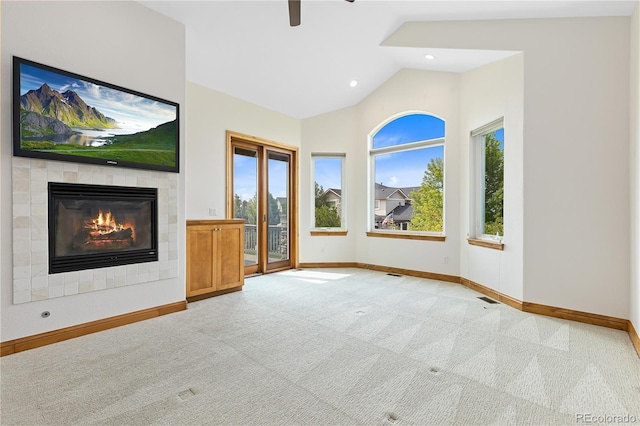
x,y
428,199
494,183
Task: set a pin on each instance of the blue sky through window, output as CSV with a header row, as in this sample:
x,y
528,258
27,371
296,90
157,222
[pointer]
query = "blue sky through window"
x,y
406,168
409,128
245,176
278,171
328,172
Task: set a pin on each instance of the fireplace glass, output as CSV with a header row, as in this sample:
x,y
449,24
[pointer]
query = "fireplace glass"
x,y
96,226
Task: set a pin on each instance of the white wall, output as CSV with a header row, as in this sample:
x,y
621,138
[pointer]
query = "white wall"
x,y
122,43
334,132
465,101
635,167
347,131
488,93
576,95
576,167
209,115
432,92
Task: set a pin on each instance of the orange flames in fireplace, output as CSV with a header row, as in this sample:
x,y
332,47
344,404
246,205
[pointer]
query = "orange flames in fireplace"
x,y
106,221
105,227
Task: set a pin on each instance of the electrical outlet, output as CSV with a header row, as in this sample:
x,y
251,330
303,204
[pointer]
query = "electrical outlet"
x,y
446,259
212,212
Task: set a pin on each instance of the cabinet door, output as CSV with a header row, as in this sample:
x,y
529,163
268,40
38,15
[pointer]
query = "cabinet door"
x,y
200,267
229,256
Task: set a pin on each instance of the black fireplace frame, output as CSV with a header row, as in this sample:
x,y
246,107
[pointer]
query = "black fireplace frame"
x,y
57,191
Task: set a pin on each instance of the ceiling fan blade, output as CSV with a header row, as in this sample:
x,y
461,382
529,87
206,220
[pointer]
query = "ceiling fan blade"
x,y
294,13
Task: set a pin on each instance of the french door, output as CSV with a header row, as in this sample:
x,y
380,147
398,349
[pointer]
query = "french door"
x,y
261,189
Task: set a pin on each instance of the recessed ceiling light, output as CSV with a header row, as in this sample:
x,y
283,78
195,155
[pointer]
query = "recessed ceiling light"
x,y
353,83
429,56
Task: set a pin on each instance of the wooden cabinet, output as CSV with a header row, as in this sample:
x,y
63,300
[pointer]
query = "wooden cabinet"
x,y
215,257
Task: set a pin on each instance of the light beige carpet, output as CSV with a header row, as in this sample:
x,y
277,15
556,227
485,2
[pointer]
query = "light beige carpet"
x,y
331,347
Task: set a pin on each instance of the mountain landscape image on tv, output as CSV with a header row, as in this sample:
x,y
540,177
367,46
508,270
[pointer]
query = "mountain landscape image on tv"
x,y
59,115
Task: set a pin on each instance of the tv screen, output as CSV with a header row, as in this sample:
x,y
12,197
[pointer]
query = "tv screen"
x,y
59,115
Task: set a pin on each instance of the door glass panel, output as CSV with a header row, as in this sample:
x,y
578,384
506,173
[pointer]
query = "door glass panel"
x,y
245,199
278,207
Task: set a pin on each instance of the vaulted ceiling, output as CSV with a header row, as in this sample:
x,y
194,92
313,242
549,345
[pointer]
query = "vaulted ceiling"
x,y
248,50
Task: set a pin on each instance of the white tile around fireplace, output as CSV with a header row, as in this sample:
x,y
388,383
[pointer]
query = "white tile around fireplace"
x,y
31,280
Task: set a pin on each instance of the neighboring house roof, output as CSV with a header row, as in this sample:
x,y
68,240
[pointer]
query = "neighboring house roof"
x,y
403,213
338,192
400,214
409,189
383,192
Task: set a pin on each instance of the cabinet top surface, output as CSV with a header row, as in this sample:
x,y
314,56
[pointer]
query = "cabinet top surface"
x,y
214,222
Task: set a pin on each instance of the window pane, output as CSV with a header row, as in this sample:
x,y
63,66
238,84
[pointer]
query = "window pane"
x,y
328,192
245,199
493,191
409,190
409,128
277,206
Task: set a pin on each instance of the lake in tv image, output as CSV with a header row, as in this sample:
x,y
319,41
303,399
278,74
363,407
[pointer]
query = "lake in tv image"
x,y
66,115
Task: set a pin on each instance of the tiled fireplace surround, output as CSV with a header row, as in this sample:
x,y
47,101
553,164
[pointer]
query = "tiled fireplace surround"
x,y
31,280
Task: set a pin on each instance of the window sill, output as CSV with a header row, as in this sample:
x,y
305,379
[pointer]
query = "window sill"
x,y
486,243
406,236
328,233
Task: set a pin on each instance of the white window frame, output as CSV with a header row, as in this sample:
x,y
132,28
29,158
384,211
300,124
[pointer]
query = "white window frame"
x,y
373,152
477,180
343,205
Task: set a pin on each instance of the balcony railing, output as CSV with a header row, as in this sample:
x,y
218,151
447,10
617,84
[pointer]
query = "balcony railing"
x,y
276,240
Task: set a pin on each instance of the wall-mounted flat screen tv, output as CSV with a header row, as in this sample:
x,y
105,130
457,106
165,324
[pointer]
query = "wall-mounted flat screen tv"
x,y
59,115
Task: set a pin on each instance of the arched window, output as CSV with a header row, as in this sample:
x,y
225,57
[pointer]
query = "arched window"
x,y
407,164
